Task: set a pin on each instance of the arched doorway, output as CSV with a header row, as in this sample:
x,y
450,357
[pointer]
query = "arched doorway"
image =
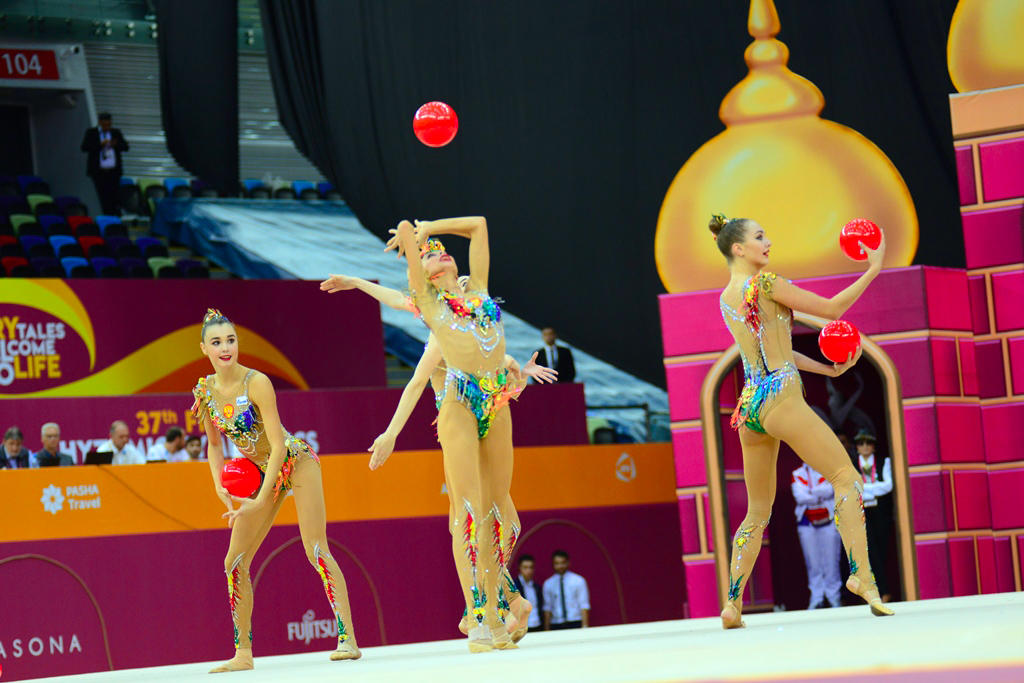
x,y
894,428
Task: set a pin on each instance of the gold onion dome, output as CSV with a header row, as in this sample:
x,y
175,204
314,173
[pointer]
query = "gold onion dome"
x,y
802,177
986,44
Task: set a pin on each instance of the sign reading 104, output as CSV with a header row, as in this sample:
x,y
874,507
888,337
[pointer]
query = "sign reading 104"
x,y
29,64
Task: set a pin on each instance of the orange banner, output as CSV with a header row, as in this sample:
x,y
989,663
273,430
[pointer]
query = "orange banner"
x,y
84,501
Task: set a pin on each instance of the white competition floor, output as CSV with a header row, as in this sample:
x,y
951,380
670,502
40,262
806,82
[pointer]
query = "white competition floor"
x,y
978,638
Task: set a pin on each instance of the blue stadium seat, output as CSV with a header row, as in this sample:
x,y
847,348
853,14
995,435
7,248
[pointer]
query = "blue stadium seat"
x,y
111,226
171,183
106,267
35,246
65,246
48,267
54,225
33,184
251,183
125,180
135,267
77,266
150,247
300,185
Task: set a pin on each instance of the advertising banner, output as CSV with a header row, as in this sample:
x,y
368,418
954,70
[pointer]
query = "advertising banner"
x,y
109,337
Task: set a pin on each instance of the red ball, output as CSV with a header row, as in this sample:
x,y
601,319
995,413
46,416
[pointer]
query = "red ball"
x,y
435,124
240,477
859,230
838,340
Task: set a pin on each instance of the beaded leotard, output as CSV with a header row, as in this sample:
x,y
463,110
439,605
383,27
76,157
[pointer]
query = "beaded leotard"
x,y
762,327
472,339
241,422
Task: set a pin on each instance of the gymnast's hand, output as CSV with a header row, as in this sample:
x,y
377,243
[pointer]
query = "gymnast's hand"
x,y
383,446
539,373
875,256
245,506
225,498
337,283
851,360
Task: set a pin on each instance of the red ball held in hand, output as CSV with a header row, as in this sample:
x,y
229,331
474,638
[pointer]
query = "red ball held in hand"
x,y
859,230
838,340
240,477
435,124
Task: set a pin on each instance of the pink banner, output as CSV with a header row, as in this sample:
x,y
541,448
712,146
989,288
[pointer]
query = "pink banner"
x,y
332,421
111,337
73,606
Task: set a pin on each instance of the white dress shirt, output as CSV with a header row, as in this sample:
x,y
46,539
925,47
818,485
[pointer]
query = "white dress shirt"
x,y
107,157
876,484
577,597
128,455
530,593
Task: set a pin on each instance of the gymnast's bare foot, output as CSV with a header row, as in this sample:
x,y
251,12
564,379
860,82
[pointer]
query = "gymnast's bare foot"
x,y
242,661
346,650
869,593
731,617
518,621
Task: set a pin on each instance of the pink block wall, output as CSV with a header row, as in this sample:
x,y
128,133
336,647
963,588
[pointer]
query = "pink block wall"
x,y
992,237
1008,299
963,573
960,438
965,176
971,499
987,573
1002,423
945,365
692,323
701,588
933,575
1015,346
988,356
913,360
1006,488
979,304
968,367
1002,169
684,382
688,524
932,502
947,298
1004,564
921,428
688,448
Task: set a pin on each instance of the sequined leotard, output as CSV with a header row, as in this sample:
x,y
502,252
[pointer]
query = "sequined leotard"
x,y
472,340
242,423
762,327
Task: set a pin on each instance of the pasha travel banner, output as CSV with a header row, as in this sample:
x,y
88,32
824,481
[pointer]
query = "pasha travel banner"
x,y
109,337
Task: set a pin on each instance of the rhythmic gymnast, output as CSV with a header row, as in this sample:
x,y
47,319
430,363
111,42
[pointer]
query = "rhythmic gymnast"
x,y
757,308
240,403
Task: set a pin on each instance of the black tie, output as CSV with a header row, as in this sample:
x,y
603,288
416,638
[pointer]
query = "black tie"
x,y
561,590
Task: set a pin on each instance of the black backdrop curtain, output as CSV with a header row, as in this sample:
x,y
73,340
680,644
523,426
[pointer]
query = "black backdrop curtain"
x,y
198,44
575,116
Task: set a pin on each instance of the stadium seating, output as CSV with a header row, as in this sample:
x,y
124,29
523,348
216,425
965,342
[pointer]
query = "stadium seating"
x,y
163,267
47,267
76,266
54,225
151,247
111,226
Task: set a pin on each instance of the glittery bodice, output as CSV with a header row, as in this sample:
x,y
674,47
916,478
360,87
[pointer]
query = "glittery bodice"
x,y
468,328
761,326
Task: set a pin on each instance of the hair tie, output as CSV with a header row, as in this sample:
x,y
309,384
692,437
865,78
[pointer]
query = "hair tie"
x,y
212,313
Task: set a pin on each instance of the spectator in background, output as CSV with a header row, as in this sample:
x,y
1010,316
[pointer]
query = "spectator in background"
x,y
171,450
120,445
49,455
845,440
566,598
558,358
194,448
819,538
877,507
104,145
14,455
529,589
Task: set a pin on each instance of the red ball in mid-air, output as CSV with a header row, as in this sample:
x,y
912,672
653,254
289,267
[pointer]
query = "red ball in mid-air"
x,y
435,124
859,230
240,477
838,340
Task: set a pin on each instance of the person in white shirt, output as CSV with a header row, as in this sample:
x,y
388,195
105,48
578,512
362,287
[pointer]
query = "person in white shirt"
x,y
819,538
566,598
193,448
171,449
531,590
877,473
120,445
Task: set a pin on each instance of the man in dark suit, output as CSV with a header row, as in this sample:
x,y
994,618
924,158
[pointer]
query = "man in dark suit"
x,y
530,589
104,145
558,358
